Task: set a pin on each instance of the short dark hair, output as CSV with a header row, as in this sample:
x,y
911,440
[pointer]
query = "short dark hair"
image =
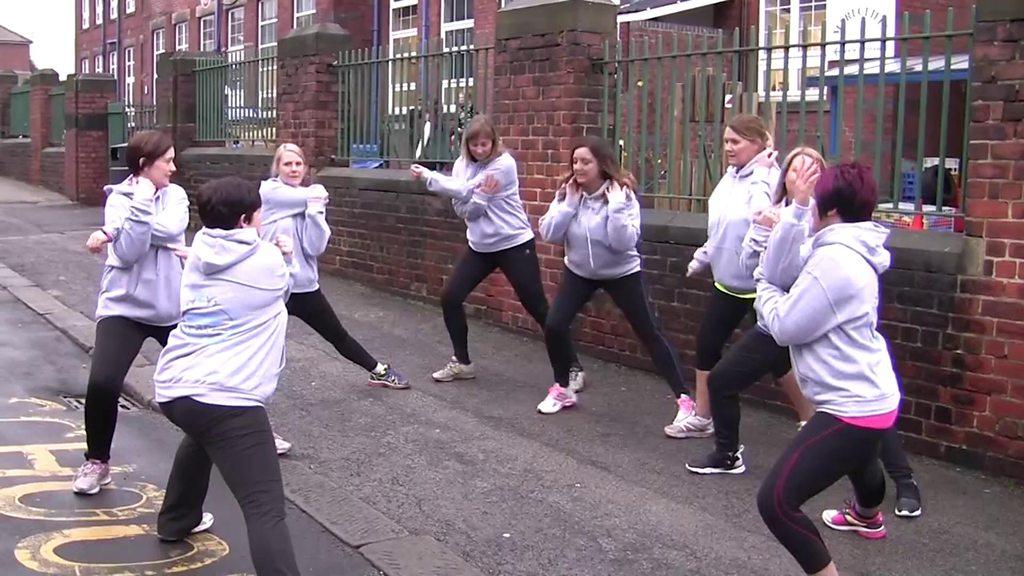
x,y
145,148
849,189
225,201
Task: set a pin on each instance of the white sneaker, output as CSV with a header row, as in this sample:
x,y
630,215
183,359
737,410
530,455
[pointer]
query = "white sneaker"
x,y
91,476
577,379
205,523
454,370
557,399
281,445
687,423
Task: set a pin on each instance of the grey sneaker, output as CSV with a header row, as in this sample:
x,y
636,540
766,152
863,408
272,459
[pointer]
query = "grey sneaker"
x,y
391,378
908,499
281,445
91,476
454,370
577,379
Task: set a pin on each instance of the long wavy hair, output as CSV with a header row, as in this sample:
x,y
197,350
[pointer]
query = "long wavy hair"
x,y
606,162
781,192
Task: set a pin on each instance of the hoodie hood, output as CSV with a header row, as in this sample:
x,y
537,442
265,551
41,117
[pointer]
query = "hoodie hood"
x,y
217,250
864,238
757,163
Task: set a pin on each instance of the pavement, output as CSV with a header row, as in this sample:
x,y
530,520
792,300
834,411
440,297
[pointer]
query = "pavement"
x,y
467,478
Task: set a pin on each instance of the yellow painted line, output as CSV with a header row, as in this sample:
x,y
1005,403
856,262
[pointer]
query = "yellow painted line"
x,y
150,499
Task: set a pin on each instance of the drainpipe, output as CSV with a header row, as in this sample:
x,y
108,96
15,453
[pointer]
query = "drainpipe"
x,y
218,12
119,57
375,77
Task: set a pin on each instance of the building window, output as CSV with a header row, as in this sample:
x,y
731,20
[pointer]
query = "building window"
x,y
785,23
84,66
268,27
305,12
457,35
112,63
158,49
113,9
181,36
99,15
98,64
129,76
236,29
404,40
85,14
129,6
207,39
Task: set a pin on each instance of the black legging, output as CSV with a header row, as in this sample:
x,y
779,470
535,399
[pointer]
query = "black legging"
x,y
629,295
819,456
721,318
118,341
755,355
314,309
520,266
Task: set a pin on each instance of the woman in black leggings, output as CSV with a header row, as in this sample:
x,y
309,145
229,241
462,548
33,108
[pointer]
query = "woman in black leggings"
x,y
484,189
825,308
596,216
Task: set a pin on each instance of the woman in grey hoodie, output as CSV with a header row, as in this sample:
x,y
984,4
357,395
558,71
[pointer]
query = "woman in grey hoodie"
x,y
144,223
819,296
745,188
484,189
294,208
596,217
220,367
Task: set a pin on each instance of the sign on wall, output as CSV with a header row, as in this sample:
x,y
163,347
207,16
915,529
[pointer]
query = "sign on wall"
x,y
852,12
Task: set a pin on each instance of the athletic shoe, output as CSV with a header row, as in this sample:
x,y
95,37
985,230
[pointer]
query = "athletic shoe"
x,y
577,378
454,370
719,463
390,378
205,523
687,423
281,445
848,520
91,476
557,399
908,499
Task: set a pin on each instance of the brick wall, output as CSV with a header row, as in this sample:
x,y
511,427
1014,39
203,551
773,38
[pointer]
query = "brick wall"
x,y
15,57
14,158
51,174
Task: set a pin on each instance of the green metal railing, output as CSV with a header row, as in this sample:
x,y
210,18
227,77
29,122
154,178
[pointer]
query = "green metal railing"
x,y
237,101
139,117
57,117
902,108
19,112
400,108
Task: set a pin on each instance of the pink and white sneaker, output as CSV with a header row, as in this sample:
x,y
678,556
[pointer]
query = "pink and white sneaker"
x,y
687,423
847,520
557,399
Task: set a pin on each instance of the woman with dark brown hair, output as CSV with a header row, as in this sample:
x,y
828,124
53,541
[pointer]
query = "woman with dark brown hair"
x,y
596,216
484,189
144,233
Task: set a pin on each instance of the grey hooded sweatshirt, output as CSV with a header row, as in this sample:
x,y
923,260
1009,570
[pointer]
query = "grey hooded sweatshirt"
x,y
294,211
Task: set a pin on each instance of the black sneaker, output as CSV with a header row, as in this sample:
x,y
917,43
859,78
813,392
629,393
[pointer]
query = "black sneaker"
x,y
908,499
391,378
719,463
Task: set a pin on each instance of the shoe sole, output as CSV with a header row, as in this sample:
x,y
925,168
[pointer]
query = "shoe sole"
x,y
95,491
453,378
905,514
389,386
738,470
564,406
281,452
684,435
861,531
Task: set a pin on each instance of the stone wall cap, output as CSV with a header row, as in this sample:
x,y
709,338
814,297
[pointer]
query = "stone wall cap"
x,y
219,152
998,11
524,18
45,77
325,38
93,83
385,180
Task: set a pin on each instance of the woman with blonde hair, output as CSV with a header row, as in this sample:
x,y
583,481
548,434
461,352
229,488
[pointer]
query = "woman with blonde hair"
x,y
484,188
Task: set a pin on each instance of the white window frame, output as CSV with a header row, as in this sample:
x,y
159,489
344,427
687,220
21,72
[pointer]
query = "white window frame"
x,y
778,56
113,9
236,17
296,14
213,34
85,13
112,63
83,67
129,6
98,64
264,21
158,49
181,40
268,69
446,27
99,12
129,75
399,35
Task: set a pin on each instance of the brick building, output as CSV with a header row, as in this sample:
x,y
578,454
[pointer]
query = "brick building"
x,y
14,52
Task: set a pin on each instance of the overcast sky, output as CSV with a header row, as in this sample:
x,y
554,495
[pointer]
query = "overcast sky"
x,y
50,25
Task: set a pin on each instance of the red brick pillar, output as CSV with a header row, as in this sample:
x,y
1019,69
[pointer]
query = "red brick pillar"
x,y
990,300
307,90
176,96
86,150
547,86
8,80
40,84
